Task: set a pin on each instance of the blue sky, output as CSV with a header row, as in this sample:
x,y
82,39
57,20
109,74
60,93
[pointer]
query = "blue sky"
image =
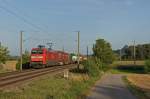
x,y
118,21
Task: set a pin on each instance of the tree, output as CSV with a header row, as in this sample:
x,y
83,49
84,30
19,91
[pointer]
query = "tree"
x,y
3,54
25,61
26,57
103,51
147,66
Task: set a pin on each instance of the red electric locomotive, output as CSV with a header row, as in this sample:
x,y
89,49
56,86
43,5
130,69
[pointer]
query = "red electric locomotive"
x,y
43,57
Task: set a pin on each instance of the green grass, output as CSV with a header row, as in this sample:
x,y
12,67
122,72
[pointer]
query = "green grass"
x,y
50,88
127,69
4,71
147,66
128,62
116,71
135,90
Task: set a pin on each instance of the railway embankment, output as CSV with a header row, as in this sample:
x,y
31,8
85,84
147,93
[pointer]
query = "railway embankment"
x,y
56,86
75,85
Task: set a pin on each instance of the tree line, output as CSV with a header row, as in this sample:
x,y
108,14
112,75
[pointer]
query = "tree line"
x,y
142,52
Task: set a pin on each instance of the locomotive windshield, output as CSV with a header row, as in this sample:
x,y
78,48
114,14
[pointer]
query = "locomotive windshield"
x,y
36,52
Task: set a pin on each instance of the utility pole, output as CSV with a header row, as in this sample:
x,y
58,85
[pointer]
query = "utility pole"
x,y
21,48
87,52
78,49
134,53
120,55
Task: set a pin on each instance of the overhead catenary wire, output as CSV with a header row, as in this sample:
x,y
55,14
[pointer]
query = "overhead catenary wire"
x,y
7,9
25,21
21,18
15,8
21,13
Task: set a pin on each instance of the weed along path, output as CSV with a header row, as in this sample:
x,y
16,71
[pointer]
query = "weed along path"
x,y
111,86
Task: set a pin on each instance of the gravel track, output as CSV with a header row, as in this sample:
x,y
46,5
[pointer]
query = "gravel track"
x,y
111,86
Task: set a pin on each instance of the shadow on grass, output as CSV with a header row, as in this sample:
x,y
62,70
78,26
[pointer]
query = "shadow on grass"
x,y
131,69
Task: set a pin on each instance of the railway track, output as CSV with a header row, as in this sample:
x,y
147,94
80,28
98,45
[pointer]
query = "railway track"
x,y
16,77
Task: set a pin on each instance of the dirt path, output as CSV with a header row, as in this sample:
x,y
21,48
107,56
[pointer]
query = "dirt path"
x,y
111,86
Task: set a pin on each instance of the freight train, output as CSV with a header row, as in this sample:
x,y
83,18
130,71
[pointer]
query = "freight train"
x,y
44,57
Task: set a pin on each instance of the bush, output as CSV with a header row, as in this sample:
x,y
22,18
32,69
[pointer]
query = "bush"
x,y
25,65
25,61
18,65
4,53
147,66
102,66
91,67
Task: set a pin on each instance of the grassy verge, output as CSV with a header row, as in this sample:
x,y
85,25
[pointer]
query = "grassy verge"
x,y
51,87
127,69
4,71
116,71
128,62
147,66
57,87
135,90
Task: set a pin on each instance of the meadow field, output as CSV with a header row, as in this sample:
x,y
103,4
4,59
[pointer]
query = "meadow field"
x,y
8,66
138,62
139,84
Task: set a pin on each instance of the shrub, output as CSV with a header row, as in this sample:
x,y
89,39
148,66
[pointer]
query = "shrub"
x,y
147,66
25,65
25,61
91,67
102,66
4,53
18,65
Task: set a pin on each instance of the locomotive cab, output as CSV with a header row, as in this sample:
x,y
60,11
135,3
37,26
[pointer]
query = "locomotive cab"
x,y
38,57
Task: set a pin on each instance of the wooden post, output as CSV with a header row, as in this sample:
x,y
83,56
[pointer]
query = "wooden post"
x,y
66,73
